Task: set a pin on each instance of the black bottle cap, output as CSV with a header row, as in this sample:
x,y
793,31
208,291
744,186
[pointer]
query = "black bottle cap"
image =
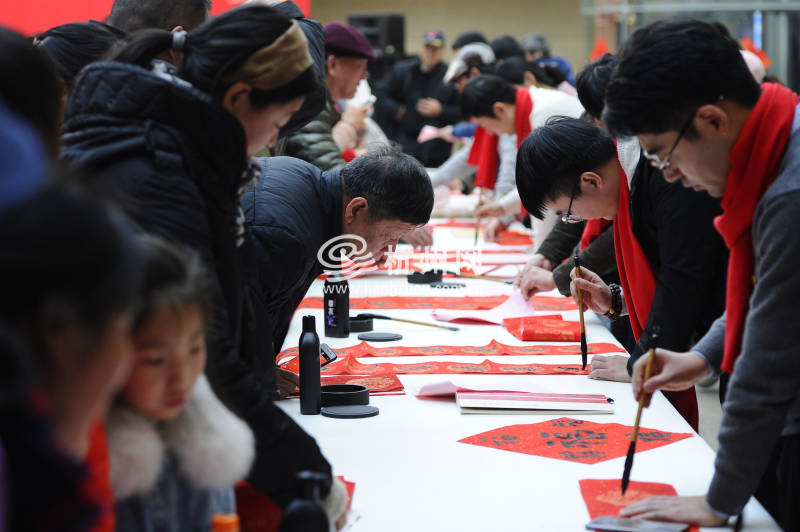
x,y
309,324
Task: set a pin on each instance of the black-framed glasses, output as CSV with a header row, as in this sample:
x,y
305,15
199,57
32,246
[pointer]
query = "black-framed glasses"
x,y
655,162
568,217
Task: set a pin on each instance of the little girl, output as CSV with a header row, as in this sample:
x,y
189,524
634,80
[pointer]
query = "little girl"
x,y
176,451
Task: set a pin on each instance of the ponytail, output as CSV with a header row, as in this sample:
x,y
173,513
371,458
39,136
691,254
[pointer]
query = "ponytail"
x,y
143,47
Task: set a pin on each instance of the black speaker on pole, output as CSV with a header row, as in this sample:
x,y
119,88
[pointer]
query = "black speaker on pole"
x,y
386,32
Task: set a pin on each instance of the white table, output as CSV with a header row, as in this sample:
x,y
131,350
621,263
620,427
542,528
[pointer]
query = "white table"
x,y
412,474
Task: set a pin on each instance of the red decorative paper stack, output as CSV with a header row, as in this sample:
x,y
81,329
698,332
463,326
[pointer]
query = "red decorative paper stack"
x,y
573,440
543,329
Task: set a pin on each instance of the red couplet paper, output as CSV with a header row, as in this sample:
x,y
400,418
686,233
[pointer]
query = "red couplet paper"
x,y
604,496
513,238
549,303
543,329
401,302
349,366
493,348
375,383
573,440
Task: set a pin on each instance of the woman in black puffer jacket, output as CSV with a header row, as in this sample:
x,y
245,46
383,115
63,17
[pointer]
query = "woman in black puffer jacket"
x,y
172,146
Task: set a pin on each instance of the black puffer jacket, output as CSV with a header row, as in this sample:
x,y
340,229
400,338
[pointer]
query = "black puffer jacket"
x,y
287,235
174,159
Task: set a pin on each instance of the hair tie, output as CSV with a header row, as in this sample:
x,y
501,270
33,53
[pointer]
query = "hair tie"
x,y
179,40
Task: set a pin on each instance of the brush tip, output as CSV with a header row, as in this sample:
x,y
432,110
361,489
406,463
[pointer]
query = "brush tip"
x,y
454,328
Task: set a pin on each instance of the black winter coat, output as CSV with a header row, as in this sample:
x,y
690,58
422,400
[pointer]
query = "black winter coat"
x,y
293,211
174,160
405,85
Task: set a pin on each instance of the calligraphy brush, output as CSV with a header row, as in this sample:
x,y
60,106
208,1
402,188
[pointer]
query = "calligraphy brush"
x,y
477,229
584,349
626,473
425,323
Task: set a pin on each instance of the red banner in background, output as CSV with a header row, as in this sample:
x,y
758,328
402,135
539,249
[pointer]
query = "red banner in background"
x,y
221,6
35,16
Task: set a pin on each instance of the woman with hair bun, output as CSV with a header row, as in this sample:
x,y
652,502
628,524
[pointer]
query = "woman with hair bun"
x,y
173,146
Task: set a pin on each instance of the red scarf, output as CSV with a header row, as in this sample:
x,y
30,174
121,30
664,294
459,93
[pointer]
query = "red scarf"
x,y
635,274
593,229
484,147
755,159
639,288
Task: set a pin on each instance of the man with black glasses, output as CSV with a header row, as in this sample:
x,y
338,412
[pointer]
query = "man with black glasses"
x,y
671,262
683,88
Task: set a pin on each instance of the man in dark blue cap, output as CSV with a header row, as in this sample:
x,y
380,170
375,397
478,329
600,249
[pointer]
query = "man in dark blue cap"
x,y
412,95
322,141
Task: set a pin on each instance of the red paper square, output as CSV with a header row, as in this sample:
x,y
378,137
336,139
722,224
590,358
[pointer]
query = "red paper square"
x,y
573,440
604,496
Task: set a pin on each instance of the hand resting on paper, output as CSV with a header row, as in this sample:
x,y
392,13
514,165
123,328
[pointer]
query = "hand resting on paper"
x,y
596,294
609,368
671,371
692,510
533,279
287,381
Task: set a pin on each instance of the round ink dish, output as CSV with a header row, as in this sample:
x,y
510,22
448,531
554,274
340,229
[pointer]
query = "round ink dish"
x,y
360,324
344,395
431,276
350,412
380,336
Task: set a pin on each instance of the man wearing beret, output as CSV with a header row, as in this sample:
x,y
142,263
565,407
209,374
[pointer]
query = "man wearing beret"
x,y
322,141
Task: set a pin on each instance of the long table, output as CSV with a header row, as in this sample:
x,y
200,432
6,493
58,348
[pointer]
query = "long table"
x,y
413,474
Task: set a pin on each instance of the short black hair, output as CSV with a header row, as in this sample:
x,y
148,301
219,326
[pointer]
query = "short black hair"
x,y
512,70
506,46
482,92
668,69
134,15
592,84
469,38
395,185
553,157
30,87
73,46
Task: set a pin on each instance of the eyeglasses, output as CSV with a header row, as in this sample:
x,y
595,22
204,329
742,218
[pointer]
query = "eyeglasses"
x,y
664,165
568,217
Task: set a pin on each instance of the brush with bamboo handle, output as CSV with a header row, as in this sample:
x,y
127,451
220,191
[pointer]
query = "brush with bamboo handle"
x,y
584,348
425,323
626,473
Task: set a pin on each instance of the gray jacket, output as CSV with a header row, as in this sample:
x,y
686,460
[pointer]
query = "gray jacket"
x,y
763,397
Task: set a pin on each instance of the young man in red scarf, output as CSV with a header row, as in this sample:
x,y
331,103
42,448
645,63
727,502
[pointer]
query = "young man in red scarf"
x,y
506,114
683,88
671,262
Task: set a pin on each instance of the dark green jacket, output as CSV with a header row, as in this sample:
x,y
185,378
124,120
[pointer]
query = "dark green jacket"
x,y
314,142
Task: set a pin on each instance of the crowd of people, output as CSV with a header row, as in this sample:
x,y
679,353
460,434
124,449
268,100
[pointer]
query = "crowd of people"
x,y
168,179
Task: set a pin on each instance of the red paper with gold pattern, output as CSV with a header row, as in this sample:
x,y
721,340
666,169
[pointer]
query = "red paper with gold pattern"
x,y
375,383
350,366
493,348
543,329
573,440
432,302
604,496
